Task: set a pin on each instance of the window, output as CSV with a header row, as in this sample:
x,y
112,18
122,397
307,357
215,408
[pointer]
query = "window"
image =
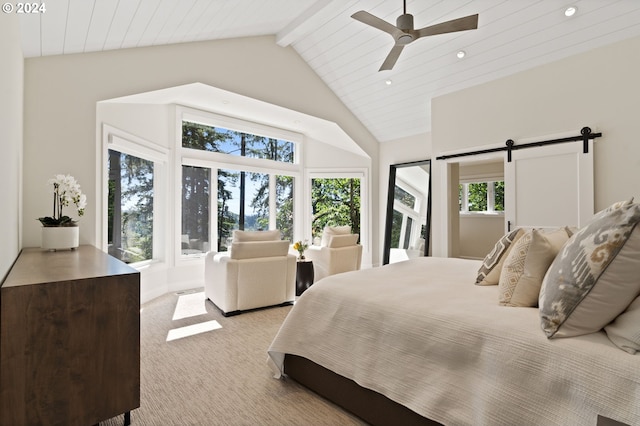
x,y
245,202
130,207
195,210
218,139
284,205
251,176
335,202
481,197
133,202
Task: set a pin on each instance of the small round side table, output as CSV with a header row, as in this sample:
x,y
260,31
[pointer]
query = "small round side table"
x,y
304,276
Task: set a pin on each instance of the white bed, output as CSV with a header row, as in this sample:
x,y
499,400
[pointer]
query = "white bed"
x,y
423,335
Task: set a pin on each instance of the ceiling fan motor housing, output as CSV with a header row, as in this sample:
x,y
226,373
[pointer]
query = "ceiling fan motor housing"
x,y
405,23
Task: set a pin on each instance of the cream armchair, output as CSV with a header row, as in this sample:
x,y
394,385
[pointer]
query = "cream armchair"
x,y
257,272
338,252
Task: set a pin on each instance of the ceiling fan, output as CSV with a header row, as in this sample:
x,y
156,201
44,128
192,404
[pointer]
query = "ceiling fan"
x,y
403,32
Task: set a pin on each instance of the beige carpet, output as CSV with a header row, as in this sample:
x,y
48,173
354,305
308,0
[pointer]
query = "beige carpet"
x,y
220,376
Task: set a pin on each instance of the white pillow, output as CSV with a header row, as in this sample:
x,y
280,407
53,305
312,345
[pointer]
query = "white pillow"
x,y
333,230
624,331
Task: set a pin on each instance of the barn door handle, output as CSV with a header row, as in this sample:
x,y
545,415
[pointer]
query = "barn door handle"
x,y
508,226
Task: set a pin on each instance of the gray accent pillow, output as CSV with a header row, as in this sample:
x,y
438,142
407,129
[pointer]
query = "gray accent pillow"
x,y
489,272
595,276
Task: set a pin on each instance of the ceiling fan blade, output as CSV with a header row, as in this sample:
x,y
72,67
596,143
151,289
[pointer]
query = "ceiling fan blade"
x,y
461,24
374,21
392,57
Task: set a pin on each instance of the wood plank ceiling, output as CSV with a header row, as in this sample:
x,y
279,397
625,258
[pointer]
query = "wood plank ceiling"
x,y
512,36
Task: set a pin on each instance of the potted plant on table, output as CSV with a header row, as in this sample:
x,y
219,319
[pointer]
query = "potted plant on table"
x,y
60,231
300,247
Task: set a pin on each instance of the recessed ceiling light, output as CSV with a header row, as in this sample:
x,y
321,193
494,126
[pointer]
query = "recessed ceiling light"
x,y
570,11
388,82
461,54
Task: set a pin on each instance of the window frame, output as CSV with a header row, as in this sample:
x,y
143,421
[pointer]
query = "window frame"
x,y
339,173
216,160
126,143
491,196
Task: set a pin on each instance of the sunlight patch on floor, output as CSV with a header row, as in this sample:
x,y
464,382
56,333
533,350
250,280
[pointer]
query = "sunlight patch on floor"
x,y
190,305
192,330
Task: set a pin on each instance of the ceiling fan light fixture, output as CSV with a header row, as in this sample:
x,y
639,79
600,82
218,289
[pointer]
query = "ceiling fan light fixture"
x,y
404,39
570,11
461,54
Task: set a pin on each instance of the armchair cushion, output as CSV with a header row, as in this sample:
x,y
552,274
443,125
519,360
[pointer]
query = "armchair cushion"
x,y
246,236
254,249
337,241
333,230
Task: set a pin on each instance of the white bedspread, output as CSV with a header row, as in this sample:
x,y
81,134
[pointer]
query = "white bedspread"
x,y
421,333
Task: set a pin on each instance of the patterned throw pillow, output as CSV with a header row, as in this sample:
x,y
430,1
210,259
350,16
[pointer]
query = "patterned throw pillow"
x,y
595,276
526,265
489,272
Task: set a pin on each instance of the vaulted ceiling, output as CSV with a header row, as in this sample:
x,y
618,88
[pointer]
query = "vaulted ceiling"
x,y
512,36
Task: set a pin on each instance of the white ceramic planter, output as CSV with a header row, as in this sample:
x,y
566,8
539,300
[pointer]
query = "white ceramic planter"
x,y
60,237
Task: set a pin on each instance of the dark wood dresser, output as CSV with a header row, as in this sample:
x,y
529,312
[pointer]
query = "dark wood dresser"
x,y
69,338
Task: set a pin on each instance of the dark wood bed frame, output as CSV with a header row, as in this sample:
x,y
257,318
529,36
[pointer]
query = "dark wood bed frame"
x,y
372,407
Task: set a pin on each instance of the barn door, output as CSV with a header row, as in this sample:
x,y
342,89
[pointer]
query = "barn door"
x,y
549,186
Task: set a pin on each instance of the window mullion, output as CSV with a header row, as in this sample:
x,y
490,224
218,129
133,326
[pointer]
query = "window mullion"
x,y
491,196
272,201
465,197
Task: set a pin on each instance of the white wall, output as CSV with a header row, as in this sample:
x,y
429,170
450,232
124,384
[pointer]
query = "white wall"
x,y
478,234
61,93
152,122
11,86
598,89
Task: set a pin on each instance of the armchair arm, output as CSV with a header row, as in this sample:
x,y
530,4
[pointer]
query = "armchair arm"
x,y
219,270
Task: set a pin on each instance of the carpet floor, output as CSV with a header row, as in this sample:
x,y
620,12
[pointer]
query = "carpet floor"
x,y
200,368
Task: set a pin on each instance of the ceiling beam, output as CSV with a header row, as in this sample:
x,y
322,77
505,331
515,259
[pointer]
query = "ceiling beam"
x,y
303,24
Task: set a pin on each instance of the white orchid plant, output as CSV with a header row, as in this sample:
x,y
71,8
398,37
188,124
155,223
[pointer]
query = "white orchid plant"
x,y
65,192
